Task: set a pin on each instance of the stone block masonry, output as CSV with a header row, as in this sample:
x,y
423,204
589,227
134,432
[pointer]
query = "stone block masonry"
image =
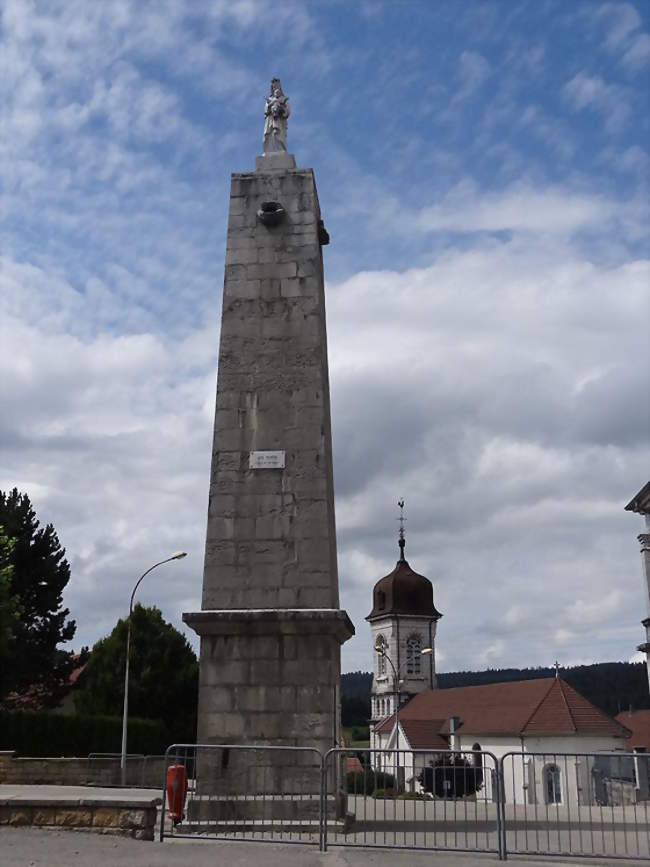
x,y
271,534
270,623
129,815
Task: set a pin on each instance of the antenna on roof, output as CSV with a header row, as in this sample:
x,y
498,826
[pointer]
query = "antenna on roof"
x,y
402,540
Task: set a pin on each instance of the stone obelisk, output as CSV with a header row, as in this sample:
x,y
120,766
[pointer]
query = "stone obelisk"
x,y
270,624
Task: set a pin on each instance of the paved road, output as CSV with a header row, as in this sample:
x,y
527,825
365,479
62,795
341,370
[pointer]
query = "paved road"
x,y
32,847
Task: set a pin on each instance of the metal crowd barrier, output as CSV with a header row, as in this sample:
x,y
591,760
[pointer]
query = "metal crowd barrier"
x,y
418,799
142,771
575,805
268,793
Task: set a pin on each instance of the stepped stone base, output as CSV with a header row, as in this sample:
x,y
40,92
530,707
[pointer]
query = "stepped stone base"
x,y
268,678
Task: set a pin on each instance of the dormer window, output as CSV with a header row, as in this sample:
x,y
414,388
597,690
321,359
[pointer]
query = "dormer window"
x,y
381,600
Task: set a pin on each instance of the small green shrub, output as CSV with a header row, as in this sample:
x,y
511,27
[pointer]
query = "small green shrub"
x,y
366,782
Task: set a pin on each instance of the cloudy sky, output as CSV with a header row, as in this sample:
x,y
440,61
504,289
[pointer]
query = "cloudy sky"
x,y
483,173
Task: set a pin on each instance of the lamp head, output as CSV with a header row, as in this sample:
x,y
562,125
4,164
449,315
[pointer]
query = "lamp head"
x,y
178,555
426,651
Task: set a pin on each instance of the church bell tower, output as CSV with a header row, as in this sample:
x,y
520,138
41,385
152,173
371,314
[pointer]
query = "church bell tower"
x,y
403,624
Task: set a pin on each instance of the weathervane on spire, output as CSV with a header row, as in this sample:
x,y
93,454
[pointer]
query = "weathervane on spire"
x,y
402,540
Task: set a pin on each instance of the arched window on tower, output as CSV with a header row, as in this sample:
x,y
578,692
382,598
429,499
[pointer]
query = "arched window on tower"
x,y
413,654
381,658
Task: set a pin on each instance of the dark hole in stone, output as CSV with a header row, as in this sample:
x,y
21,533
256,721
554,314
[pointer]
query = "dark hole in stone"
x,y
270,213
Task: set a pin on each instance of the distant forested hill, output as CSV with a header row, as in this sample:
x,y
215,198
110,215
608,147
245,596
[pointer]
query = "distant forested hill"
x,y
611,686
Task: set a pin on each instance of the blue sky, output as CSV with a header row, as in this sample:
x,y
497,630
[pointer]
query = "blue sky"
x,y
483,173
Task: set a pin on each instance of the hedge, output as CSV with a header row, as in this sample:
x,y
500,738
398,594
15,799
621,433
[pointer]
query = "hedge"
x,y
36,733
365,783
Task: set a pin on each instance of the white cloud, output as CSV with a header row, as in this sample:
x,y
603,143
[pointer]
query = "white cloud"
x,y
623,20
519,208
473,71
610,100
638,54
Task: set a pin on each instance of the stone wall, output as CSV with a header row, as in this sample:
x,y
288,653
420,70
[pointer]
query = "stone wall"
x,y
146,772
122,818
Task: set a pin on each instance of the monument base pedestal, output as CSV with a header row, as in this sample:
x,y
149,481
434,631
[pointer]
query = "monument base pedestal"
x,y
278,161
268,678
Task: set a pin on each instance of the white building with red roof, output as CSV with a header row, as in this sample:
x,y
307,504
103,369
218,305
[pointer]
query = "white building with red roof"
x,y
530,717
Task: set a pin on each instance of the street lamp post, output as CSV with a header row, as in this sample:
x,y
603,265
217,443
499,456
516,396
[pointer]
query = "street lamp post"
x,y
381,649
177,556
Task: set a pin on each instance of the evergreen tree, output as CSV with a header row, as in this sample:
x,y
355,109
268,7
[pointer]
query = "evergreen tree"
x,y
9,606
163,675
38,573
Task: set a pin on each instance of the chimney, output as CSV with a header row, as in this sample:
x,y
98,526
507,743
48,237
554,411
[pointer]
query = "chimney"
x,y
454,723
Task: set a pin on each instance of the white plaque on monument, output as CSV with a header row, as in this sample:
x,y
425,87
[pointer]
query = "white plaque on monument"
x,y
266,460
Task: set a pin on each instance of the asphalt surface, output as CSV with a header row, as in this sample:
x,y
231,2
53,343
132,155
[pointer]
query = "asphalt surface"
x,y
33,847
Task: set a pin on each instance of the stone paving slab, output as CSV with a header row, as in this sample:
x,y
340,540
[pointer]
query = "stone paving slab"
x,y
32,847
72,796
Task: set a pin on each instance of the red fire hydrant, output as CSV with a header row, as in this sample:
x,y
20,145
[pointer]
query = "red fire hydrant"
x,y
176,792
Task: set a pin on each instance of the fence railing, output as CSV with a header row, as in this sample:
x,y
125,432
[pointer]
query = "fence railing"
x,y
271,793
417,799
104,769
578,804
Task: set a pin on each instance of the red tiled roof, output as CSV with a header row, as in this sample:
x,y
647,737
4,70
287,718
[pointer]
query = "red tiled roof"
x,y
638,722
542,706
424,734
386,725
353,765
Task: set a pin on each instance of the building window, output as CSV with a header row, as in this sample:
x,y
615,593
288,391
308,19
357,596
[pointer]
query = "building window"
x,y
413,654
381,658
381,600
552,784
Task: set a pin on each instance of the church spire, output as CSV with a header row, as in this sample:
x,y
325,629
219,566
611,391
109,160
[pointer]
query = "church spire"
x,y
402,539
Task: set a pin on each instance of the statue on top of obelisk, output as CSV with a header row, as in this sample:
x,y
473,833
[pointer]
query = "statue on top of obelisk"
x,y
276,113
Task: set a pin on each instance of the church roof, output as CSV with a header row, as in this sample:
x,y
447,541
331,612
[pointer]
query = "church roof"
x,y
638,722
403,591
543,706
422,734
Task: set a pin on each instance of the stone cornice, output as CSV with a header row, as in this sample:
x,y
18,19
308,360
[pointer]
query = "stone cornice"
x,y
269,621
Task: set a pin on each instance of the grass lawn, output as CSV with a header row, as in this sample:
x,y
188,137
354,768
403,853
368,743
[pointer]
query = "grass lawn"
x,y
356,737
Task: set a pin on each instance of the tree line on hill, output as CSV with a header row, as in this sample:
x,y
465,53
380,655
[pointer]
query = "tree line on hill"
x,y
611,686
